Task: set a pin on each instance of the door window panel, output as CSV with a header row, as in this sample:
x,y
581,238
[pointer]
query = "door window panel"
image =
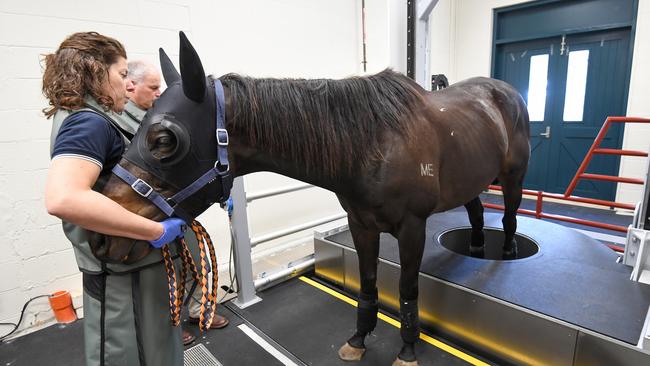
x,y
576,85
537,81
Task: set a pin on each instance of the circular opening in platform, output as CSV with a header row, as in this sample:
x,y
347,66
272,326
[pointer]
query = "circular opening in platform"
x,y
458,240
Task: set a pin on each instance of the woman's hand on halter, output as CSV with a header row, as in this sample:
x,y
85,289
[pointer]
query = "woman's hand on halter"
x,y
172,228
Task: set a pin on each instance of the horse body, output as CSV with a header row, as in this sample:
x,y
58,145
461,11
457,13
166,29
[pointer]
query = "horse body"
x,y
463,138
458,146
392,152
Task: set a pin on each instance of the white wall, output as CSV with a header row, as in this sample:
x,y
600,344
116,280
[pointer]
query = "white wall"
x,y
278,38
637,136
467,25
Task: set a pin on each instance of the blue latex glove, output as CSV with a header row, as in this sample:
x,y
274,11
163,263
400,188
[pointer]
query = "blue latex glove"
x,y
229,206
172,228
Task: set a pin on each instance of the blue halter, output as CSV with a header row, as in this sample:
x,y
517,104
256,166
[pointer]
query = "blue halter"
x,y
221,170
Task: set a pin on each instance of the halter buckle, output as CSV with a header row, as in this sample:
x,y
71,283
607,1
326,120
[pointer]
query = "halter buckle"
x,y
142,188
218,167
222,137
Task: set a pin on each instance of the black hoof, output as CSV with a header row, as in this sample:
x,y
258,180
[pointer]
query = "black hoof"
x,y
477,252
407,354
357,341
510,253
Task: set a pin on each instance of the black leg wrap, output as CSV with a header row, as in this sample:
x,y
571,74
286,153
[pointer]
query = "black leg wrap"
x,y
478,238
511,252
367,313
408,313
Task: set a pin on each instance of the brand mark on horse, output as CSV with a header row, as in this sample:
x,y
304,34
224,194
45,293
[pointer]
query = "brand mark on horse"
x,y
426,169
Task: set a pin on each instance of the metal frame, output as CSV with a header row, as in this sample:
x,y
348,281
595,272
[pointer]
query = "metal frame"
x,y
508,332
242,247
418,41
243,243
637,247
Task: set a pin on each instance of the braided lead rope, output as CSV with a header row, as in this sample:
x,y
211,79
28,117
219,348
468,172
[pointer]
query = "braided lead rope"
x,y
189,260
174,303
215,272
184,269
176,292
205,320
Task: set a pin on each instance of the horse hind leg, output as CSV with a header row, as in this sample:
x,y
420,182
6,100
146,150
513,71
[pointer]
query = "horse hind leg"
x,y
475,212
512,190
366,242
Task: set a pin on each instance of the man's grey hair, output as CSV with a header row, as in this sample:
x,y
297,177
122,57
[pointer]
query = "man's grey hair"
x,y
138,69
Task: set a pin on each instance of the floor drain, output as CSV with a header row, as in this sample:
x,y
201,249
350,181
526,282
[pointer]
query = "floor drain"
x,y
199,356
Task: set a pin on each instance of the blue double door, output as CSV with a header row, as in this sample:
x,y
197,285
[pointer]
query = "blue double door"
x,y
571,84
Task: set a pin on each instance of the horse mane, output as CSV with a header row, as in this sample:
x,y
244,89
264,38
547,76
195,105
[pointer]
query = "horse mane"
x,y
329,127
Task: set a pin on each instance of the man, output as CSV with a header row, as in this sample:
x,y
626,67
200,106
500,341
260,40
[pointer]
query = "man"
x,y
146,80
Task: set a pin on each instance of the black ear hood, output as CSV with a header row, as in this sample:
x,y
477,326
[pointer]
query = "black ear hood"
x,y
192,72
193,125
170,74
187,109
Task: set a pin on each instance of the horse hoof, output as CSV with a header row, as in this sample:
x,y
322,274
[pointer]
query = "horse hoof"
x,y
509,254
477,252
399,362
349,353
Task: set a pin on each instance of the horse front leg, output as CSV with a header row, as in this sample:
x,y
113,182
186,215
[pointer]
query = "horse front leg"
x,y
366,242
411,239
475,212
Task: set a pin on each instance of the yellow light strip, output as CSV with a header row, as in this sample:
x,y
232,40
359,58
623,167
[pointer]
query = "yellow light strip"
x,y
432,341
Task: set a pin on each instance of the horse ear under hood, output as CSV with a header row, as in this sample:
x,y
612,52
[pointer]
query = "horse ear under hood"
x,y
170,74
192,73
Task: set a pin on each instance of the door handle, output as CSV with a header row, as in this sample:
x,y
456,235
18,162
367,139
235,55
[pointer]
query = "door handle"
x,y
546,133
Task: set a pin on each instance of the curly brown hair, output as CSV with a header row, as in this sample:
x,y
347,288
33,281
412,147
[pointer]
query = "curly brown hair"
x,y
79,67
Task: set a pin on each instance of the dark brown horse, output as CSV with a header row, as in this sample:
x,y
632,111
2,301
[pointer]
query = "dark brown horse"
x,y
392,152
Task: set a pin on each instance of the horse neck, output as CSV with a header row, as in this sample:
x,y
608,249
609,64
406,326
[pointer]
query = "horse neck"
x,y
247,159
319,131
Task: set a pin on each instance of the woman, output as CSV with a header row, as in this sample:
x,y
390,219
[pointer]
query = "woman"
x,y
125,306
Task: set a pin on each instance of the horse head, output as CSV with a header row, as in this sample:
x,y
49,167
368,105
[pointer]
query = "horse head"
x,y
173,149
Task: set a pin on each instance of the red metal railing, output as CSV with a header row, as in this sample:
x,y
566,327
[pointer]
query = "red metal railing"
x,y
595,149
580,174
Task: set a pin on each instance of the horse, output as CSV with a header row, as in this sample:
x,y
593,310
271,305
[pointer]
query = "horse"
x,y
392,152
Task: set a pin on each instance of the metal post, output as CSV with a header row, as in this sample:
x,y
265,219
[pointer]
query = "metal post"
x,y
410,38
422,55
242,247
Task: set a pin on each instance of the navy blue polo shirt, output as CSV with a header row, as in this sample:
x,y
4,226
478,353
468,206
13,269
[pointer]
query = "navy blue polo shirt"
x,y
88,136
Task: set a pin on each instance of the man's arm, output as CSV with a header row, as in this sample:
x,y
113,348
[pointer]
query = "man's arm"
x,y
69,196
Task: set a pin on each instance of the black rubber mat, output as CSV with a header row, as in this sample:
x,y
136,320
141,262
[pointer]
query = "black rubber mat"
x,y
230,345
302,322
54,345
63,346
312,325
573,278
